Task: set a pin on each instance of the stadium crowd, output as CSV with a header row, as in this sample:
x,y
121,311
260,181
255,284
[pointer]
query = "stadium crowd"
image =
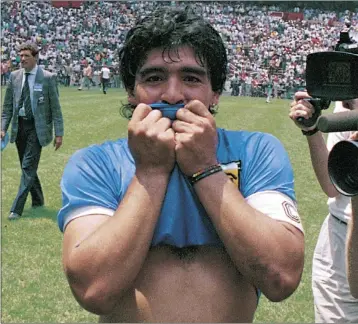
x,y
263,48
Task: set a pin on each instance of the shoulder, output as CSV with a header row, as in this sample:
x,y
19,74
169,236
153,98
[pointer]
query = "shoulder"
x,y
46,74
246,140
16,72
98,156
263,157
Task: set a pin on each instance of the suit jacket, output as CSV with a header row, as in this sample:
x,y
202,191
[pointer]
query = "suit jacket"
x,y
45,106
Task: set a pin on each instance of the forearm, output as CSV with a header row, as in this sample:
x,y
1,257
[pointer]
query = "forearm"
x,y
352,249
263,249
319,158
104,264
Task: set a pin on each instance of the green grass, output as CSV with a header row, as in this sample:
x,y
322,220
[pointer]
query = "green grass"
x,y
34,288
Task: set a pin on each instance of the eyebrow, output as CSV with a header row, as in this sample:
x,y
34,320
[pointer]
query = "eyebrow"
x,y
186,69
152,69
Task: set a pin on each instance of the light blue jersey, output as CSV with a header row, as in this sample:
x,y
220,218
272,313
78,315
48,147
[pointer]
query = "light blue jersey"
x,y
99,176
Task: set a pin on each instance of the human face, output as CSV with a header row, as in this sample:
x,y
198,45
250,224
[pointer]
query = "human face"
x,y
28,61
161,80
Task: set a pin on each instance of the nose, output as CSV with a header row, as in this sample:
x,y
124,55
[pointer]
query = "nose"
x,y
173,92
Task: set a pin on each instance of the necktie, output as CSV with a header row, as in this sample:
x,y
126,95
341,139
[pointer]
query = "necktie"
x,y
25,98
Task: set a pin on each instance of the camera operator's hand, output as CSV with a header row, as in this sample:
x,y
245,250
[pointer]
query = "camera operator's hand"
x,y
354,136
301,107
350,104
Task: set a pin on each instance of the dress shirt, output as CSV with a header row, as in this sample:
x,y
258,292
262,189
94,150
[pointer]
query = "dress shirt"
x,y
31,81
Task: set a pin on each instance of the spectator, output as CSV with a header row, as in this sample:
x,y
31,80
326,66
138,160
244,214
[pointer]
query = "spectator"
x,y
105,76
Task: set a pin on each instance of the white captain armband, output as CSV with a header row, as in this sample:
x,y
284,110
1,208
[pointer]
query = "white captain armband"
x,y
277,206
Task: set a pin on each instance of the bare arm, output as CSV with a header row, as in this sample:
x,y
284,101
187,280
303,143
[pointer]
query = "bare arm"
x,y
102,256
352,242
352,249
317,146
267,252
319,158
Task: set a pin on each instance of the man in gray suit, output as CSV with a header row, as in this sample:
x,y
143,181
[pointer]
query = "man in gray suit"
x,y
32,107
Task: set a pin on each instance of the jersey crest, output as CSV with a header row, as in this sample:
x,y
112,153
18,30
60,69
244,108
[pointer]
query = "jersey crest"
x,y
232,170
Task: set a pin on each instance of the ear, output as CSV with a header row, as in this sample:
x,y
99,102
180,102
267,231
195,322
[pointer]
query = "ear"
x,y
131,97
215,99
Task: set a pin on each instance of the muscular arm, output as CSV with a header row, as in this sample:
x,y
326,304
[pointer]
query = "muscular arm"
x,y
268,253
317,146
319,158
102,255
352,249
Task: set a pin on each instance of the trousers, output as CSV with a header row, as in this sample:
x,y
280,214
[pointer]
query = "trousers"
x,y
333,302
29,151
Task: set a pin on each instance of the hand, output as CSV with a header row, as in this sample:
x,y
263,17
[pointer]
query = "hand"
x,y
57,142
2,134
151,140
354,136
195,137
350,104
301,108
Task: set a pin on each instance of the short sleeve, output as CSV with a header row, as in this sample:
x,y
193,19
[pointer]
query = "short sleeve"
x,y
89,180
267,167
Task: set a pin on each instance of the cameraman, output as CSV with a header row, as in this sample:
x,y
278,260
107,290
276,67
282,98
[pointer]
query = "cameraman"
x,y
352,241
332,298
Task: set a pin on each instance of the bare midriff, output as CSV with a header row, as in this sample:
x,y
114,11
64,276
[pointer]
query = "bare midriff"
x,y
192,284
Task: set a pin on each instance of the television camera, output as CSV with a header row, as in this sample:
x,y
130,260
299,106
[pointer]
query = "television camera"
x,y
333,76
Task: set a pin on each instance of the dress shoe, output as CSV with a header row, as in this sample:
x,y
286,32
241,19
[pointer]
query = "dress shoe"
x,y
13,216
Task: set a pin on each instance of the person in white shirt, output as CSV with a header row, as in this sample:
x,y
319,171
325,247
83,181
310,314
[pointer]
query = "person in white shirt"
x,y
105,77
333,301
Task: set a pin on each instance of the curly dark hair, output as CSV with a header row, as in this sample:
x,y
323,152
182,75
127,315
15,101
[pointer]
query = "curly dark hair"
x,y
169,29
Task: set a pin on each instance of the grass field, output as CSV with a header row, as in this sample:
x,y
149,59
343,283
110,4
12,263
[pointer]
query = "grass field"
x,y
34,288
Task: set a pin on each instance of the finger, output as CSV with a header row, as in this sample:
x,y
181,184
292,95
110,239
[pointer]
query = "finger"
x,y
301,113
180,126
303,105
140,112
182,138
161,125
168,135
154,116
197,108
191,117
354,136
301,95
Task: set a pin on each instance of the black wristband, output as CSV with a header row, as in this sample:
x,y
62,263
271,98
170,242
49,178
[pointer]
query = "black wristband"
x,y
310,132
204,173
